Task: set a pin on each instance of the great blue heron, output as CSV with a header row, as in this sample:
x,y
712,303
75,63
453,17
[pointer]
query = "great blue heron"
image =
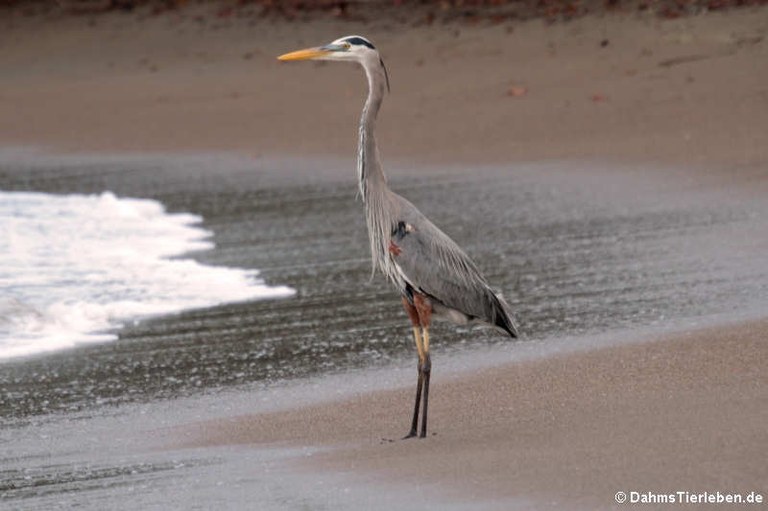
x,y
434,276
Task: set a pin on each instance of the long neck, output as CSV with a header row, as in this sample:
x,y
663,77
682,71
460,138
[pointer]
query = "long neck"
x,y
373,183
370,173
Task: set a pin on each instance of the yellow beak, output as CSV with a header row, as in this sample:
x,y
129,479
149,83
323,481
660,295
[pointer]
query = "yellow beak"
x,y
307,54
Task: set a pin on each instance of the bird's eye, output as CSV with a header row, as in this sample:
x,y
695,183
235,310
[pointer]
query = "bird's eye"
x,y
347,46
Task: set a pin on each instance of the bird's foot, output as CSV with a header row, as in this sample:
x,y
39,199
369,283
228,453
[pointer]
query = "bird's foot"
x,y
411,434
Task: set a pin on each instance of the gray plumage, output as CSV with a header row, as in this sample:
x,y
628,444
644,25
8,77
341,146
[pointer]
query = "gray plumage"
x,y
433,264
429,261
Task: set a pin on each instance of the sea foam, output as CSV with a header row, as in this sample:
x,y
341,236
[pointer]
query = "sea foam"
x,y
74,268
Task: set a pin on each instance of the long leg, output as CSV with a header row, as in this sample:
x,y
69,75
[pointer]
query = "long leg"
x,y
419,385
424,373
411,310
424,310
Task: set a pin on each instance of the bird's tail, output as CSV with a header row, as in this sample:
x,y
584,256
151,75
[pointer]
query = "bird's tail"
x,y
502,316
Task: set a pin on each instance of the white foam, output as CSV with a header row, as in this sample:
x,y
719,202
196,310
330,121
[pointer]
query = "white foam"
x,y
74,268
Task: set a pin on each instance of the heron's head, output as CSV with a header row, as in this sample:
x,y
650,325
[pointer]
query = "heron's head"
x,y
351,48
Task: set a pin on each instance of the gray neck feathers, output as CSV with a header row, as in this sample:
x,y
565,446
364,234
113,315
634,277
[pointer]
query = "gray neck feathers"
x,y
379,214
369,169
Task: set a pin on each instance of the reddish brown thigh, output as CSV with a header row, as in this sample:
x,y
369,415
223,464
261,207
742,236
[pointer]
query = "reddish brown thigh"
x,y
423,309
412,312
420,311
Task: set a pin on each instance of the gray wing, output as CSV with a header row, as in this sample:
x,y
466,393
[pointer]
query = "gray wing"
x,y
433,264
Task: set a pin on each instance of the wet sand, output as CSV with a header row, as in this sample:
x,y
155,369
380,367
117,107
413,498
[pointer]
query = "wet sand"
x,y
687,412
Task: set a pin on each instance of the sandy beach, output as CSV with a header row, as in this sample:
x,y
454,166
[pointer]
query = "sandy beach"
x,y
685,98
685,413
688,91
